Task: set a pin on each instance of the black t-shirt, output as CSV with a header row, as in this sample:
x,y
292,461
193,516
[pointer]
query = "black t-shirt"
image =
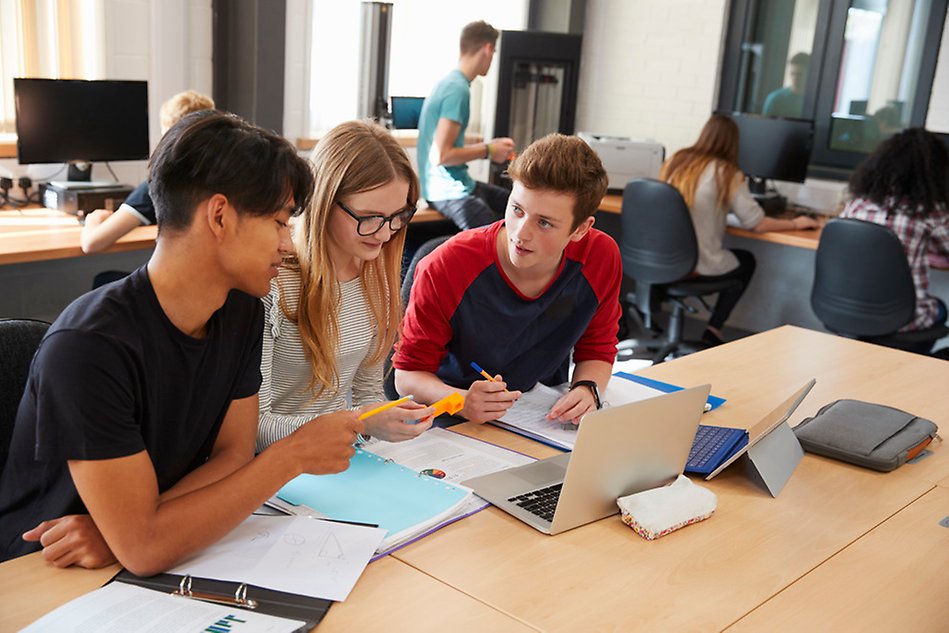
x,y
141,202
112,377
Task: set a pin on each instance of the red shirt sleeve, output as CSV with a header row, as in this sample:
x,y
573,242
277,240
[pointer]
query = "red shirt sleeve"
x,y
603,269
441,280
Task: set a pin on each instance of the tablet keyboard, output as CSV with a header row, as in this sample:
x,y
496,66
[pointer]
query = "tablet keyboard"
x,y
712,446
541,503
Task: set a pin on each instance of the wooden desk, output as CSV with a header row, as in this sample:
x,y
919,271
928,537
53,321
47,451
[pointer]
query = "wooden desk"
x,y
613,203
388,592
708,576
892,579
36,234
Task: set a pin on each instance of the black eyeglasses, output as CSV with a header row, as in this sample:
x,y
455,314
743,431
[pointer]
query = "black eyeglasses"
x,y
370,224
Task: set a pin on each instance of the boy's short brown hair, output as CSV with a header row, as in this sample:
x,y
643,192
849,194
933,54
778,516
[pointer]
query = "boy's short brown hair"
x,y
181,104
564,164
476,35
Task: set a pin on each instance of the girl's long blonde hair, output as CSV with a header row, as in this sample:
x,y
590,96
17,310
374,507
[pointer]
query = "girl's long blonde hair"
x,y
718,143
351,158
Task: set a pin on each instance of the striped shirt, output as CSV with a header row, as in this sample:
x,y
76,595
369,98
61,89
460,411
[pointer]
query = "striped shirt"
x,y
286,401
920,234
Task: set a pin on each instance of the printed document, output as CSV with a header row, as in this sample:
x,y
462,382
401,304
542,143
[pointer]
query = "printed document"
x,y
119,608
297,555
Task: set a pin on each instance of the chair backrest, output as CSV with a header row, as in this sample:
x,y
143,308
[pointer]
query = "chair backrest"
x,y
862,281
657,240
19,339
388,385
423,250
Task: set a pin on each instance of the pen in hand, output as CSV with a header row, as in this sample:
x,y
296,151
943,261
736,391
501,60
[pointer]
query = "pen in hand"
x,y
487,376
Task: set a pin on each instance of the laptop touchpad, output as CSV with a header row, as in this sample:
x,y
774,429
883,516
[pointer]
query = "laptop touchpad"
x,y
543,472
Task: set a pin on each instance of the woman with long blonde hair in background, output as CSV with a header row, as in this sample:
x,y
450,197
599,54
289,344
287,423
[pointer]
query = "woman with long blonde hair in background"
x,y
711,182
334,308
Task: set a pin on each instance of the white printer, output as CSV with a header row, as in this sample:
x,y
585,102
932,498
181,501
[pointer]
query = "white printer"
x,y
626,158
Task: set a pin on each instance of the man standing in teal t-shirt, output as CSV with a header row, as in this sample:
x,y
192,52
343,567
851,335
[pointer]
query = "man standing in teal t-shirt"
x,y
442,154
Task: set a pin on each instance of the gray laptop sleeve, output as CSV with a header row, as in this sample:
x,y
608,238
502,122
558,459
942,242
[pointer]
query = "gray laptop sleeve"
x,y
866,434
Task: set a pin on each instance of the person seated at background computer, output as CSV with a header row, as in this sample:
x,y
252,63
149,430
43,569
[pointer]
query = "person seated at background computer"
x,y
102,228
789,100
333,311
904,185
442,154
134,439
709,178
518,296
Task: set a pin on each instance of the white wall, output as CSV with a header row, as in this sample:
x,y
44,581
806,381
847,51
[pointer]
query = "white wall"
x,y
650,69
166,42
938,118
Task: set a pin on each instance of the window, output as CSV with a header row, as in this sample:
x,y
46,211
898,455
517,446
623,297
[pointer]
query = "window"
x,y
56,39
861,69
424,48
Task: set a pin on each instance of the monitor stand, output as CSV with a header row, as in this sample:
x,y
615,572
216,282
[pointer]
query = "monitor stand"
x,y
79,171
772,202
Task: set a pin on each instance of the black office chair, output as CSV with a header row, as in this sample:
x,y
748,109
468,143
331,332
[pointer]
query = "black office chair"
x,y
863,286
659,251
422,251
19,339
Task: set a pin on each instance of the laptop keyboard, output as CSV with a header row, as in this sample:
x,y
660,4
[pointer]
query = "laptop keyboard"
x,y
708,442
541,503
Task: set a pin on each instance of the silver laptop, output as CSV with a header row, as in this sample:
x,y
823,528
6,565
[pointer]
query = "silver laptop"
x,y
619,451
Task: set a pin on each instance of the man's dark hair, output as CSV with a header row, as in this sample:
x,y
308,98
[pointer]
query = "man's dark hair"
x,y
212,152
475,35
801,59
911,167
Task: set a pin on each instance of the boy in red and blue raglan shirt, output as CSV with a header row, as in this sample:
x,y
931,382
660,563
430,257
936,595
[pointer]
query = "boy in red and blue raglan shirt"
x,y
518,296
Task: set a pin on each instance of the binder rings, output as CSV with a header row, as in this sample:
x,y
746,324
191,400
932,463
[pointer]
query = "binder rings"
x,y
261,600
379,492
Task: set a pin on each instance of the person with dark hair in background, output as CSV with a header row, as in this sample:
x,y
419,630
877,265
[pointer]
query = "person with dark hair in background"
x,y
712,184
904,185
442,154
789,100
134,440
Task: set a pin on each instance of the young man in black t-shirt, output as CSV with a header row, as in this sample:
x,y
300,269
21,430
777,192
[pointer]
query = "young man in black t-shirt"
x,y
135,437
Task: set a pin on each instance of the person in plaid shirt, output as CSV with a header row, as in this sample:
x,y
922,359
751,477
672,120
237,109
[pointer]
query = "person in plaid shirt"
x,y
904,185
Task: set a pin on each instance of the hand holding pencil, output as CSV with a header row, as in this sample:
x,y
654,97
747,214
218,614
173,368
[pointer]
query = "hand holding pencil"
x,y
487,399
396,420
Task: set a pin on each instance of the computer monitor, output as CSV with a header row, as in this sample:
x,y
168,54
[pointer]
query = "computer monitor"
x,y
773,148
79,121
405,112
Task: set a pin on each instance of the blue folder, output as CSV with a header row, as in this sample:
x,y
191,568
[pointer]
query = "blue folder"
x,y
665,387
376,491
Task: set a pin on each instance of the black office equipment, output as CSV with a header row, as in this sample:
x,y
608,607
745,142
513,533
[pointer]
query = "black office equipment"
x,y
863,287
405,112
659,253
78,121
773,149
285,605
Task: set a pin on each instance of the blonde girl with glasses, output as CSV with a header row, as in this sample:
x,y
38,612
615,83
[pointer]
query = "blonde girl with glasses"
x,y
334,308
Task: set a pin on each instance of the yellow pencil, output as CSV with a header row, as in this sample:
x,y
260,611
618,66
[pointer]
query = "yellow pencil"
x,y
388,405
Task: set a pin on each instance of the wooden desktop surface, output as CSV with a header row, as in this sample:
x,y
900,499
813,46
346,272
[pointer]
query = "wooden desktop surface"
x,y
36,234
613,203
892,579
754,554
708,576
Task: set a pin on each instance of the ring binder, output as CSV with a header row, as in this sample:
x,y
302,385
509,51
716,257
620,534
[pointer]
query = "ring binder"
x,y
240,598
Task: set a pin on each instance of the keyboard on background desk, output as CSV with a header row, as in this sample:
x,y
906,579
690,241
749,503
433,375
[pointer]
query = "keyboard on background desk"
x,y
712,446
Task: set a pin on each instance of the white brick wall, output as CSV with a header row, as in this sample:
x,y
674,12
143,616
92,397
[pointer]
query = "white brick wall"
x,y
650,69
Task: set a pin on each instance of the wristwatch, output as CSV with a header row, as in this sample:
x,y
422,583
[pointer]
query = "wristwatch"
x,y
592,385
